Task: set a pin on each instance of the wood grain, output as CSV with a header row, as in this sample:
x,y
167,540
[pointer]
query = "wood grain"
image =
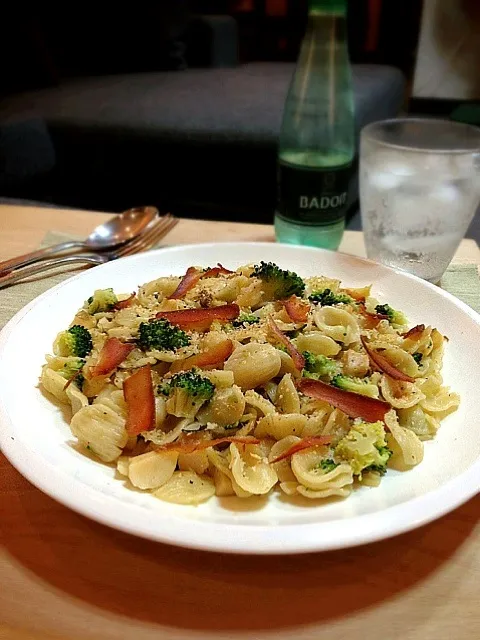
x,y
63,576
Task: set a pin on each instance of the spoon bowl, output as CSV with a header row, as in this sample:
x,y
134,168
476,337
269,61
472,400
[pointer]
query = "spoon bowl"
x,y
121,228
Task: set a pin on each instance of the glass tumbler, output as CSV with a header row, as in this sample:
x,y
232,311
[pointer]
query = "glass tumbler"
x,y
419,190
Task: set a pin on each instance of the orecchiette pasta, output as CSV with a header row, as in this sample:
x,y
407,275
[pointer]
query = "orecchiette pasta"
x,y
232,383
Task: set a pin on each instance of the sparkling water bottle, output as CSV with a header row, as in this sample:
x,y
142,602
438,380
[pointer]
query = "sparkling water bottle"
x,y
317,137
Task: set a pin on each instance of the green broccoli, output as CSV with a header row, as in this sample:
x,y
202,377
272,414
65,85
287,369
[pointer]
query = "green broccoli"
x,y
187,392
245,319
283,283
160,334
327,465
355,385
327,298
418,357
318,366
72,369
385,455
394,317
101,301
365,447
76,341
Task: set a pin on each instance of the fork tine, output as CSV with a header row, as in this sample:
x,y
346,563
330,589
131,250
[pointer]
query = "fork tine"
x,y
161,226
161,223
149,238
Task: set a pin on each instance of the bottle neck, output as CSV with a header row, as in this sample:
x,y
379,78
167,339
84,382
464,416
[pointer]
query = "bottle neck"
x,y
328,7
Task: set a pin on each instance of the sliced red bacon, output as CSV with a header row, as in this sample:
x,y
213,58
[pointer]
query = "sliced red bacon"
x,y
297,309
293,352
384,365
306,443
200,319
371,319
216,271
188,281
138,394
353,404
112,354
124,304
189,444
415,332
191,278
213,357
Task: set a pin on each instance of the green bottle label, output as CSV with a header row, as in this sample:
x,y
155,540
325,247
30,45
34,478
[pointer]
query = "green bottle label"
x,y
312,196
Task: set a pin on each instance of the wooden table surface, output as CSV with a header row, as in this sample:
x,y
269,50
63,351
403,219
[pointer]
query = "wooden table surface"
x,y
63,576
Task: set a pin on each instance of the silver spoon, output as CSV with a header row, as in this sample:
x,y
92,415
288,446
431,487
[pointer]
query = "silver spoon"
x,y
112,233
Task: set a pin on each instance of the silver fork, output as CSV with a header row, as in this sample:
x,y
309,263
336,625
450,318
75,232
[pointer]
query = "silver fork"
x,y
145,241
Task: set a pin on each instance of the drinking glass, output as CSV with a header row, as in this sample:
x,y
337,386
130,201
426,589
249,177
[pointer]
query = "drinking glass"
x,y
419,190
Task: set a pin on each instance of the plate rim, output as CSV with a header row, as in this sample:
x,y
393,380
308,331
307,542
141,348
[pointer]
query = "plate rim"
x,y
422,509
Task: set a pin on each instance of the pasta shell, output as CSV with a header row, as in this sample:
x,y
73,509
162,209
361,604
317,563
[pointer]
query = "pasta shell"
x,y
287,398
122,465
405,444
223,484
279,426
283,468
317,343
307,470
257,479
341,492
76,397
338,324
152,469
254,399
226,407
253,364
196,461
400,395
186,487
101,430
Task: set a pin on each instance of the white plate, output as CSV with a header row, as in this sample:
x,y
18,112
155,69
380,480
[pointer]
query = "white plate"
x,y
36,438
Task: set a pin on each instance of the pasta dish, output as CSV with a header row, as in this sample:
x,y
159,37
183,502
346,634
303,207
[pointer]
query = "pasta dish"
x,y
233,383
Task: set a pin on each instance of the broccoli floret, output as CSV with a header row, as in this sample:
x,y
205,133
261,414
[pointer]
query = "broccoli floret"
x,y
327,298
385,454
355,385
318,366
327,465
71,369
365,447
284,283
394,317
160,334
418,357
187,392
76,341
102,300
245,318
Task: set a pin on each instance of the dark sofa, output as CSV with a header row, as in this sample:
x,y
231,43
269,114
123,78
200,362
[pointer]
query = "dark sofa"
x,y
199,141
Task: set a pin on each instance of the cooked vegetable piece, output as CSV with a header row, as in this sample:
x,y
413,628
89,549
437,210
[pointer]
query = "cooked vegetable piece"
x,y
161,335
283,283
138,394
297,309
306,443
353,404
384,365
327,298
76,341
200,319
293,352
112,354
102,300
